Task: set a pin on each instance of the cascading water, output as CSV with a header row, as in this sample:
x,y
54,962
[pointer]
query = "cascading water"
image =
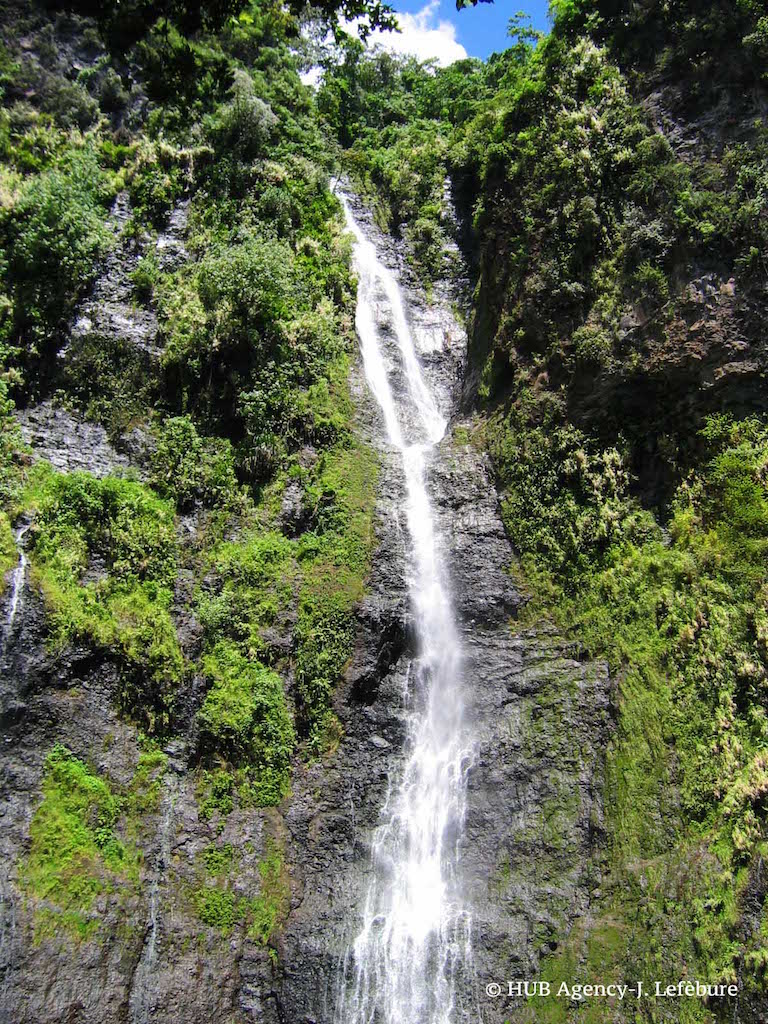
x,y
415,939
142,991
18,579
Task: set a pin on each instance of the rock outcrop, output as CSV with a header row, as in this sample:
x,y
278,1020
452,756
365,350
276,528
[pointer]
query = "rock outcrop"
x,y
71,443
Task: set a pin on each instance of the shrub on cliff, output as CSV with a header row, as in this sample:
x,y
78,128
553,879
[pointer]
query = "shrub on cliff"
x,y
245,720
123,537
54,233
189,467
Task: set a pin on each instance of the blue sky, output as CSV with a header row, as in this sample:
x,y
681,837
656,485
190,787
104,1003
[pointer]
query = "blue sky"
x,y
434,28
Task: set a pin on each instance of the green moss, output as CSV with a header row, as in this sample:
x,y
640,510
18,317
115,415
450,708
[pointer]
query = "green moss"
x,y
618,947
259,582
145,791
215,793
217,908
335,560
128,534
681,622
75,851
245,719
272,904
219,859
9,556
324,570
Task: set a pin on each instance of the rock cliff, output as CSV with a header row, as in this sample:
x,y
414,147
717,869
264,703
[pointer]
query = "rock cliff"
x,y
539,711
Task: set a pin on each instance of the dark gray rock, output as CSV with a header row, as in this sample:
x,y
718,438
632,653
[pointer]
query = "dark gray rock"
x,y
111,310
170,250
540,718
71,443
151,958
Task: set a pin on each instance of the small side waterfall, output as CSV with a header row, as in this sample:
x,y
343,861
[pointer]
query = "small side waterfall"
x,y
415,941
141,988
18,581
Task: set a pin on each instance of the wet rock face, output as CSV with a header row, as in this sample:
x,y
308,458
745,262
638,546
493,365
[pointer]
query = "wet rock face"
x,y
540,718
170,249
532,838
710,356
151,958
110,366
111,311
71,443
336,800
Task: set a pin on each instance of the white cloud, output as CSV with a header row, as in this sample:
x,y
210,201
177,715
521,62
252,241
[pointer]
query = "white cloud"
x,y
423,36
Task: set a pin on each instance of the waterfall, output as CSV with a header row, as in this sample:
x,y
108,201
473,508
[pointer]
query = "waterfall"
x,y
414,946
18,579
142,991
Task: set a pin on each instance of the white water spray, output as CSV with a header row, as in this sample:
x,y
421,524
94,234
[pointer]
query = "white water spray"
x,y
414,944
18,580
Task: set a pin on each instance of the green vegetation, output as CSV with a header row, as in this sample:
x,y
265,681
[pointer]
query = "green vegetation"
x,y
219,907
334,559
219,859
635,495
75,852
674,596
260,581
215,793
245,718
8,553
246,395
271,906
325,568
190,468
679,617
604,213
104,553
144,793
254,340
52,234
637,507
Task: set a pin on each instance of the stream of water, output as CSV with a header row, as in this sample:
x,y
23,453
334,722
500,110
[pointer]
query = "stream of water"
x,y
143,992
18,580
411,959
